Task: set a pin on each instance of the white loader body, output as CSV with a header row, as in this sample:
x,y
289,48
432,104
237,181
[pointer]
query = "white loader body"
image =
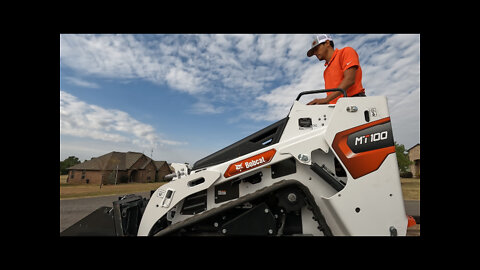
x,y
352,141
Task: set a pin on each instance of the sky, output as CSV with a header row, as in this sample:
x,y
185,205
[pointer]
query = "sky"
x,y
181,97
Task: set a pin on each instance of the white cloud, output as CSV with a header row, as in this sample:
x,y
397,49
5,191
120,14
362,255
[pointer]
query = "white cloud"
x,y
258,75
202,107
182,79
80,119
279,100
216,65
81,82
103,55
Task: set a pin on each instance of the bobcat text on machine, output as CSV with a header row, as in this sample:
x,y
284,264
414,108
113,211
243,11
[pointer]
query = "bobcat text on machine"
x,y
324,170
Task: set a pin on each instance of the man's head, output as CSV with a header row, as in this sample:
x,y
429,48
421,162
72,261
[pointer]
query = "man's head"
x,y
320,46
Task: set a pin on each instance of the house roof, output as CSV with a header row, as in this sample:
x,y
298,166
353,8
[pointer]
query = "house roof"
x,y
159,164
412,147
110,161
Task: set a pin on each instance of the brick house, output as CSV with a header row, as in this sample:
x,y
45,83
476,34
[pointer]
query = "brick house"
x,y
162,169
120,167
414,156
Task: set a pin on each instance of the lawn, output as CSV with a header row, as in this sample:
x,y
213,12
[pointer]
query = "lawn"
x,y
410,188
68,191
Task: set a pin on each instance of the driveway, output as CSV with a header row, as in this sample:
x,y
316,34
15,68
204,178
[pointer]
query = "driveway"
x,y
73,210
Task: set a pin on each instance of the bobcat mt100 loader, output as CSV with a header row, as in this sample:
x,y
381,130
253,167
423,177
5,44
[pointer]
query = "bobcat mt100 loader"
x,y
324,170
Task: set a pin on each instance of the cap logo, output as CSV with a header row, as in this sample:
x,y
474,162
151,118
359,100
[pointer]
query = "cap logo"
x,y
314,42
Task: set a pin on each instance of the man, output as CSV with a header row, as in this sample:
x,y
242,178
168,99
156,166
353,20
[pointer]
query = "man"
x,y
342,69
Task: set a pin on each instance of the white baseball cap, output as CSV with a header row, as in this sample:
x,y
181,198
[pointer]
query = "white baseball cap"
x,y
319,39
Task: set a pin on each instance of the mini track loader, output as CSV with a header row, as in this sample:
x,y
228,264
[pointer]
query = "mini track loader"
x,y
324,170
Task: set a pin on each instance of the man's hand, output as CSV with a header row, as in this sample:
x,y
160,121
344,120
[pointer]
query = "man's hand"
x,y
318,101
326,100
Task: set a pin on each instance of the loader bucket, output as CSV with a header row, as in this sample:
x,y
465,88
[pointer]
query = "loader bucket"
x,y
122,219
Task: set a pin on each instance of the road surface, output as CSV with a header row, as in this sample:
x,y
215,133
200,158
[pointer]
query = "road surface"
x,y
73,210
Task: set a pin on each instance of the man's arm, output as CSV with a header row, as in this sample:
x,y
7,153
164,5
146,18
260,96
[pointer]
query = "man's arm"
x,y
348,80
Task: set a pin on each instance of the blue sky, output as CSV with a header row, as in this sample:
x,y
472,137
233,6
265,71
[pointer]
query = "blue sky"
x,y
187,96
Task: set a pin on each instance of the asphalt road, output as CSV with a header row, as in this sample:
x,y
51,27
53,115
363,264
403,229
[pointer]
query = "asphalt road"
x,y
72,210
413,209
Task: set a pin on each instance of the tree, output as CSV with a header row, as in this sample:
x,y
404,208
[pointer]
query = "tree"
x,y
68,162
402,158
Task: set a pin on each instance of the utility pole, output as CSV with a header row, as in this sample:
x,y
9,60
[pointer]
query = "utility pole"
x,y
116,173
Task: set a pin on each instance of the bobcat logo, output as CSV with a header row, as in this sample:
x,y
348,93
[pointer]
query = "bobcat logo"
x,y
249,163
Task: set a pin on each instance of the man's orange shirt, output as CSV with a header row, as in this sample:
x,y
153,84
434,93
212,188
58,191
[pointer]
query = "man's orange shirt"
x,y
342,60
